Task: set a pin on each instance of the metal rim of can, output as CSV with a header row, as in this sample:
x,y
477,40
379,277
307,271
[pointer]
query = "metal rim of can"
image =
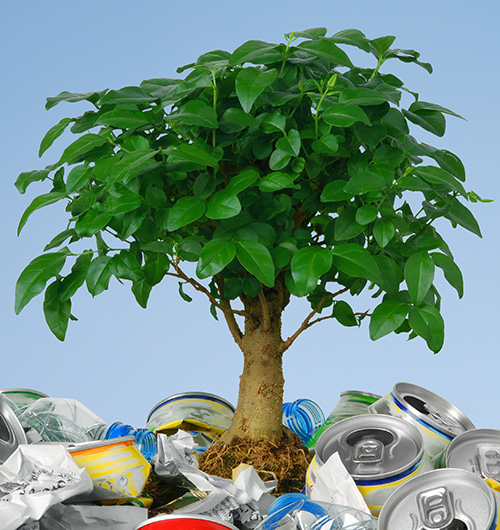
x,y
98,444
361,393
160,518
186,395
13,426
472,437
402,389
10,391
383,420
403,493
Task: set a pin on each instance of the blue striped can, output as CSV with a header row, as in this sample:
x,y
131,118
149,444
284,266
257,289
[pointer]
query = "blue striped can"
x,y
379,452
436,418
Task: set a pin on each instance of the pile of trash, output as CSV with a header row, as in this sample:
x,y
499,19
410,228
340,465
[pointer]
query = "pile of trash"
x,y
406,460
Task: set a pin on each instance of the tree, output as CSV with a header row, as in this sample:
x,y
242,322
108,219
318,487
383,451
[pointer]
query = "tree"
x,y
280,170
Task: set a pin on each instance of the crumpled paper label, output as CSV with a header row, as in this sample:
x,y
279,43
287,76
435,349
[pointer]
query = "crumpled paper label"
x,y
34,478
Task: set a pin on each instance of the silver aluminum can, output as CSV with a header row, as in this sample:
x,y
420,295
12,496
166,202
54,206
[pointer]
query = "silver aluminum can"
x,y
11,431
437,419
441,499
351,403
379,452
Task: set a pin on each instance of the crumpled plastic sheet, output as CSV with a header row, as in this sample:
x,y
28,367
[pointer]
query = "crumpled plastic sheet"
x,y
92,517
245,501
34,478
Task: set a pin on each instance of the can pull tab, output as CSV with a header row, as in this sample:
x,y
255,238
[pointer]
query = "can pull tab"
x,y
368,451
489,460
435,508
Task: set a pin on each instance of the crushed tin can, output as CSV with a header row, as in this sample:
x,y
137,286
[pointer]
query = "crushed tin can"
x,y
379,452
351,403
194,412
11,431
184,522
20,398
436,418
117,468
441,499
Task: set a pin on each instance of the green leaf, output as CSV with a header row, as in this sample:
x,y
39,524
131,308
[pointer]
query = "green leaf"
x,y
125,119
419,275
277,181
155,268
366,214
27,178
127,95
53,133
382,44
419,106
185,211
334,192
325,48
37,203
430,120
250,83
141,291
59,239
214,257
427,322
98,275
195,112
346,226
279,160
71,97
458,213
311,33
275,122
56,311
76,278
91,222
391,274
182,294
339,115
76,151
256,52
204,186
364,182
223,205
191,153
354,260
122,200
362,96
308,265
387,317
257,260
78,178
189,250
235,120
35,276
242,181
383,231
328,144
436,175
126,266
449,162
451,271
344,314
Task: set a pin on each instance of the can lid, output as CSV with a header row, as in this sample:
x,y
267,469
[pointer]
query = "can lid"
x,y
216,523
478,451
437,499
372,447
431,408
192,395
11,431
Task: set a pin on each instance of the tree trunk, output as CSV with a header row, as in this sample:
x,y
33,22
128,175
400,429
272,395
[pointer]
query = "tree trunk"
x,y
260,400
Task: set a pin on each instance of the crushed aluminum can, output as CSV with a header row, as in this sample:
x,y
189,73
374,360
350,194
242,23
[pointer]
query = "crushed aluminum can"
x,y
191,412
436,418
11,431
117,468
184,522
379,452
441,499
22,397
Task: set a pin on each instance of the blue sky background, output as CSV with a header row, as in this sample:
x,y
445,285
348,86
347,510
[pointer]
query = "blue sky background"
x,y
119,359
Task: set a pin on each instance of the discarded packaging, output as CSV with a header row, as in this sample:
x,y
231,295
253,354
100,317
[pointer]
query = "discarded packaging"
x,y
145,440
303,417
63,420
117,468
20,398
441,499
35,478
184,522
11,431
351,403
437,419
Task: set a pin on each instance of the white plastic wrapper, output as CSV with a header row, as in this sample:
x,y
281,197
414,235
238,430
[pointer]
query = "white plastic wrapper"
x,y
33,479
92,517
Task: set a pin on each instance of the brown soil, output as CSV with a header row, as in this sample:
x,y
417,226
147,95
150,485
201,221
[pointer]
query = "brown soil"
x,y
287,461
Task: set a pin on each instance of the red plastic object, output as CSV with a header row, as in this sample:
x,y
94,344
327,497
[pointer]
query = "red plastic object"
x,y
184,522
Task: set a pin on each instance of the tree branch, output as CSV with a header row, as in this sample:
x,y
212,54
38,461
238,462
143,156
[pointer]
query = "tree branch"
x,y
229,313
307,321
266,320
